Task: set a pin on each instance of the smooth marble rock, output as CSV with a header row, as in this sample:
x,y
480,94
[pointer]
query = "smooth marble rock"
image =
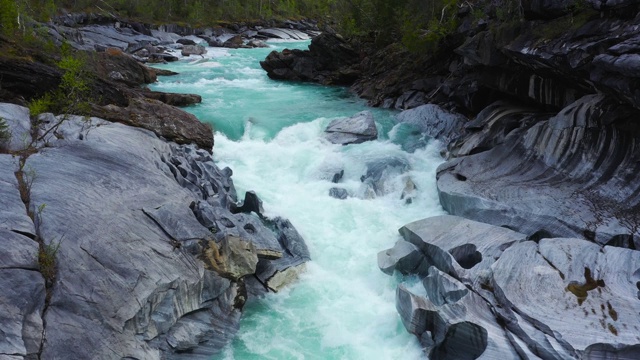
x,y
17,251
592,290
461,329
570,176
353,130
403,257
458,246
21,305
122,205
13,213
489,293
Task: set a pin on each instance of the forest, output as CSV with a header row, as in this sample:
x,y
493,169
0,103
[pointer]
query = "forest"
x,y
414,22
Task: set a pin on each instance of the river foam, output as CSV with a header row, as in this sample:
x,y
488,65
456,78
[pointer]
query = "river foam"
x,y
271,135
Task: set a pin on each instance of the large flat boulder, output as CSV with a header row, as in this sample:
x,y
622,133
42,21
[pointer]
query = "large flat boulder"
x,y
353,130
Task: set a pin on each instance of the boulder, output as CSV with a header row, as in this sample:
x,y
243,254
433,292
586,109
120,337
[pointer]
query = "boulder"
x,y
185,41
164,120
188,50
234,42
354,130
433,121
329,60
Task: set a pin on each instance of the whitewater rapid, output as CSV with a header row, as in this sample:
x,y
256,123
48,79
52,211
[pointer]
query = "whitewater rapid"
x,y
270,134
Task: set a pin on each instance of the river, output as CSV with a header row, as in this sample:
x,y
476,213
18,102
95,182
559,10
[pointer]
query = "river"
x,y
270,134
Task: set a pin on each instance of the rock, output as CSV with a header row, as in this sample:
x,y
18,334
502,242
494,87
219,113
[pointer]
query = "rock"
x,y
13,213
547,9
378,180
121,68
233,42
23,296
159,57
456,245
161,300
185,41
585,283
556,179
482,295
433,121
354,130
403,257
338,193
19,127
21,306
188,50
492,126
94,36
328,61
233,258
164,120
251,203
257,44
173,99
286,34
22,79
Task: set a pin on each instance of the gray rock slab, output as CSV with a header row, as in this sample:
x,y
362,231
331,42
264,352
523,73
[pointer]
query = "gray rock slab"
x,y
570,176
21,306
13,215
17,251
353,130
286,34
590,292
19,122
117,269
461,329
459,246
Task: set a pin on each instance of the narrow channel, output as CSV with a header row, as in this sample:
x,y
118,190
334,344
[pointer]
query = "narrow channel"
x,y
271,134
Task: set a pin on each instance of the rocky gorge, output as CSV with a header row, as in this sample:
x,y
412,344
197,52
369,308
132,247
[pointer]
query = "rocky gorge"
x,y
119,231
537,259
538,118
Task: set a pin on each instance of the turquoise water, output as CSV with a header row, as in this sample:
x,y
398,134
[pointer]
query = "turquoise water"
x,y
270,134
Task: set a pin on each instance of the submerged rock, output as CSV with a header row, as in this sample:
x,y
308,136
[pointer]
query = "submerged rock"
x,y
354,130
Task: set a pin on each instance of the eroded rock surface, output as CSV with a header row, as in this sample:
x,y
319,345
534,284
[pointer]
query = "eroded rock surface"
x,y
486,292
138,266
569,176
